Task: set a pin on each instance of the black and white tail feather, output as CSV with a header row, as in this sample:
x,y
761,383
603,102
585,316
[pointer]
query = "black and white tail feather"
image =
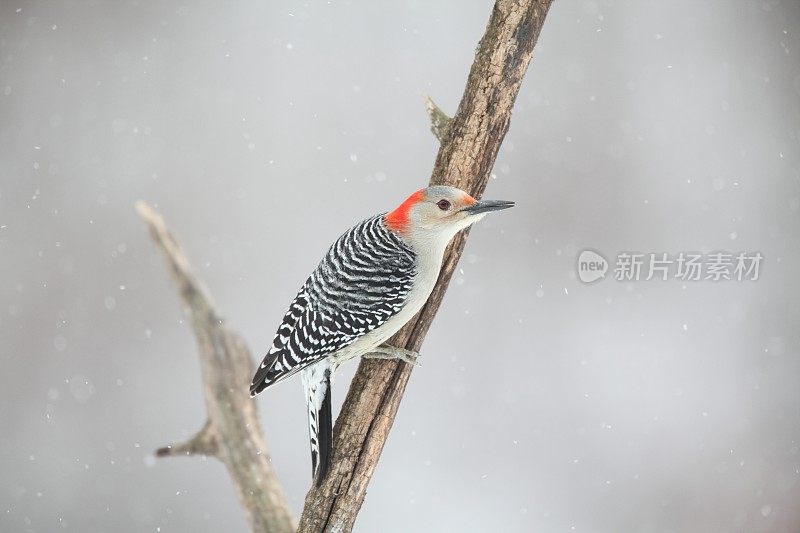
x,y
317,386
362,282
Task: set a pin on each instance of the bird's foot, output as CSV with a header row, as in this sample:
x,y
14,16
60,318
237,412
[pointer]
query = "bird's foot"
x,y
391,352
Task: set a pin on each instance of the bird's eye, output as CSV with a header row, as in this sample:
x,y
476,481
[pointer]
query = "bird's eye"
x,y
443,204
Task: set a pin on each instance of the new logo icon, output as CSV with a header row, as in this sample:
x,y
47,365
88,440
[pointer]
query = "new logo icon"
x,y
591,266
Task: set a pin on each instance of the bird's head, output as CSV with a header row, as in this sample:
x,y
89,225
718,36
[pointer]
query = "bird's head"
x,y
438,212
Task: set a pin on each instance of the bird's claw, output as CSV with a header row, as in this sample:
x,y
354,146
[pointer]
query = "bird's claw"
x,y
392,352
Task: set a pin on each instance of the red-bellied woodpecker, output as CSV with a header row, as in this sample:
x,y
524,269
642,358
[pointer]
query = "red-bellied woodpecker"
x,y
373,279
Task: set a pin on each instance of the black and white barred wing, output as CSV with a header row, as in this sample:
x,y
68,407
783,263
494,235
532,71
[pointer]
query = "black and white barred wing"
x,y
361,282
304,337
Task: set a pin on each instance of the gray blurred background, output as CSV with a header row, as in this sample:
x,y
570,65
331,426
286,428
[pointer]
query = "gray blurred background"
x,y
261,130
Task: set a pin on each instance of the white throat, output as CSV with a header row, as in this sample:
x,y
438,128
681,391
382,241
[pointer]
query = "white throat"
x,y
432,241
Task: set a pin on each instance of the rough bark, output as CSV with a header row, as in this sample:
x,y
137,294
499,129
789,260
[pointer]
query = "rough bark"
x,y
469,145
232,432
440,122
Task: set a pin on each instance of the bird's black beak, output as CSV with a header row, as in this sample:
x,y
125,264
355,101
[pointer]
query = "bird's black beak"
x,y
484,206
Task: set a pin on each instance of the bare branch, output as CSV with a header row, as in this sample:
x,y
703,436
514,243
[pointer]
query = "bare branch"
x,y
465,160
232,433
194,295
204,442
440,122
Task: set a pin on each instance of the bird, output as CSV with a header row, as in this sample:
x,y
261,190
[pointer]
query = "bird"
x,y
373,279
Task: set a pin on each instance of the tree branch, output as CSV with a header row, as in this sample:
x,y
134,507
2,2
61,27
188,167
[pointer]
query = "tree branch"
x,y
232,433
204,442
465,159
440,122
